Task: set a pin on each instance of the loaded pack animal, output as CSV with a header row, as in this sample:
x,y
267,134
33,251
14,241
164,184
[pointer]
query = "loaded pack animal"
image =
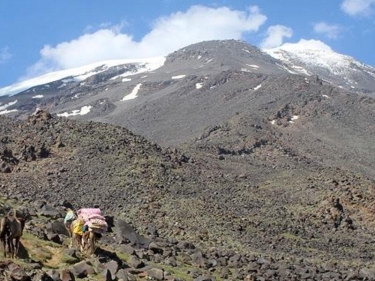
x,y
83,240
11,230
85,232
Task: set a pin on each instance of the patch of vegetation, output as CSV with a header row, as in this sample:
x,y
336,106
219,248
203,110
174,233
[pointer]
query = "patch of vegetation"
x,y
41,250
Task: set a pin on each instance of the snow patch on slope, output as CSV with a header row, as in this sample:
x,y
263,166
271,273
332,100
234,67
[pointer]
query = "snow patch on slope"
x,y
82,72
83,111
4,110
178,76
133,94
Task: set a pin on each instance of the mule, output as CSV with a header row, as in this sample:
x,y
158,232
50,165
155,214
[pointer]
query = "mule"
x,y
84,241
76,237
11,230
89,240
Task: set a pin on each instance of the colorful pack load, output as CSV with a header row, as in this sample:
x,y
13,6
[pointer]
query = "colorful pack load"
x,y
94,220
78,226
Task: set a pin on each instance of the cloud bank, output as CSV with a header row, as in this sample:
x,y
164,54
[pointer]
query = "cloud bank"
x,y
303,45
167,35
358,7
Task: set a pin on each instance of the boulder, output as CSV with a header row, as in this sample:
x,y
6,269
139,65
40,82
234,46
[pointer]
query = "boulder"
x,y
82,269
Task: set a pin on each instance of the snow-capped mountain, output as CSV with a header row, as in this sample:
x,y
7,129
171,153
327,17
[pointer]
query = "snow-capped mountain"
x,y
307,57
310,57
170,99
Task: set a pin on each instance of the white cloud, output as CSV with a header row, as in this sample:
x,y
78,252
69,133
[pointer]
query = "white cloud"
x,y
304,44
181,29
358,7
167,35
330,30
104,44
275,36
4,55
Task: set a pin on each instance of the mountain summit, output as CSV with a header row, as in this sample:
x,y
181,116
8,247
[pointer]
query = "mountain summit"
x,y
315,58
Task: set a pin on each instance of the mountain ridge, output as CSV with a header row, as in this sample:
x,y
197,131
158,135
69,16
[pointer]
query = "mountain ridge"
x,y
293,52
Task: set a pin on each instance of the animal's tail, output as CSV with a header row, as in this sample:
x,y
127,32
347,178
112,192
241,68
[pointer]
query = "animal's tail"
x,y
3,227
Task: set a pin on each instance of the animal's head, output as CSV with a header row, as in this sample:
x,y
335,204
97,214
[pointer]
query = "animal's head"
x,y
13,212
21,214
23,222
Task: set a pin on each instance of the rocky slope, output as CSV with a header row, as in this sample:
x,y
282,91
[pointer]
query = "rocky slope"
x,y
243,194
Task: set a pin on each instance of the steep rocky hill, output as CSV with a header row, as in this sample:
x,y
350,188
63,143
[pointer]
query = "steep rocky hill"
x,y
67,160
243,191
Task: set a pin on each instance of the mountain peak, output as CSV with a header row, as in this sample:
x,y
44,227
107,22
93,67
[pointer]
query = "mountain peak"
x,y
313,57
223,55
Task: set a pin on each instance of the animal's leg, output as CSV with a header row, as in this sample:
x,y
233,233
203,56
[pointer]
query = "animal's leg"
x,y
91,242
5,248
69,229
3,242
11,247
73,241
76,241
83,242
17,246
3,235
72,244
8,249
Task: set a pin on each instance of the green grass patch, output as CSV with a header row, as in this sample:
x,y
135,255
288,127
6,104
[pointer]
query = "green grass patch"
x,y
123,256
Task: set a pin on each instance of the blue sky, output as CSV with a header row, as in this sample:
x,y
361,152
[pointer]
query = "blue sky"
x,y
42,35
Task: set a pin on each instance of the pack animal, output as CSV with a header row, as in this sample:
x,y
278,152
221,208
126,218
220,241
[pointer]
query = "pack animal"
x,y
84,241
11,230
85,228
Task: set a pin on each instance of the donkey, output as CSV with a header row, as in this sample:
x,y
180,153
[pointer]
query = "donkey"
x,y
89,240
75,233
11,230
84,241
